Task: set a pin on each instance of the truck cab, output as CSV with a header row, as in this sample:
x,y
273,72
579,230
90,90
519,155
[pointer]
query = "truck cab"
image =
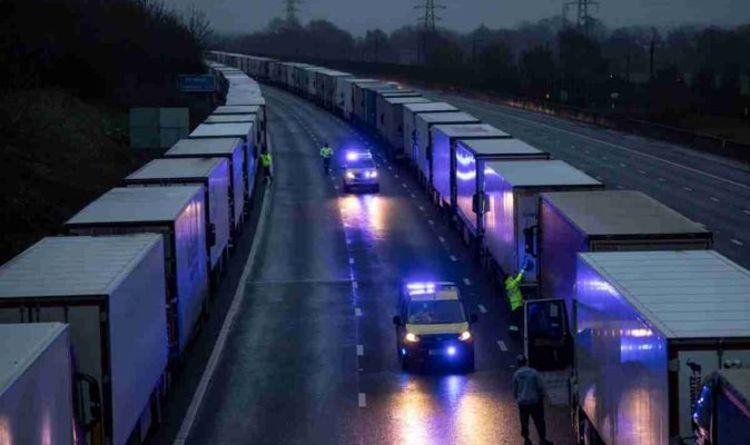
x,y
432,325
722,412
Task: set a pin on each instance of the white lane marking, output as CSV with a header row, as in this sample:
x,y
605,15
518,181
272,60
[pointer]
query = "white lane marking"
x,y
421,208
442,240
662,180
502,346
403,184
413,195
221,340
482,309
362,400
357,312
453,258
738,242
351,260
747,211
467,281
390,168
687,189
623,165
355,285
642,172
360,350
432,223
395,176
336,187
620,147
715,199
619,187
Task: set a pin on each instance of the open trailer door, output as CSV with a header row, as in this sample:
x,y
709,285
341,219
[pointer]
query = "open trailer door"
x,y
547,340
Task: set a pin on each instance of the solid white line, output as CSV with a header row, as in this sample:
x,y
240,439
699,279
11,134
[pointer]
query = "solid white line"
x,y
360,350
362,400
453,258
467,281
221,340
357,312
629,150
502,345
482,309
738,242
714,199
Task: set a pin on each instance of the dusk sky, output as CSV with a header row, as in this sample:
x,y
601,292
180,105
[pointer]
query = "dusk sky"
x,y
464,15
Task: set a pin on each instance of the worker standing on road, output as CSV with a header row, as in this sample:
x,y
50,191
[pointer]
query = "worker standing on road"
x,y
267,161
326,153
515,299
529,392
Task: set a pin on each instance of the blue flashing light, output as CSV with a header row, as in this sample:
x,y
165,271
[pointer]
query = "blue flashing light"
x,y
420,288
451,350
352,156
403,351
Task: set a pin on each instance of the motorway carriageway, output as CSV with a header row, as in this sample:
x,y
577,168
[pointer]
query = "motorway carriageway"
x,y
710,190
311,356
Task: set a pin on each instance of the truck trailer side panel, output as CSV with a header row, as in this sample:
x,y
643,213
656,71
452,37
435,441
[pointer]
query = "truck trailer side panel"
x,y
36,405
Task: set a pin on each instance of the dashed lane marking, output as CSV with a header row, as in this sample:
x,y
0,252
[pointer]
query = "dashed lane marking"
x,y
357,312
403,184
662,180
413,195
687,189
362,400
643,172
503,347
355,285
432,223
715,199
453,258
467,281
360,350
351,260
738,242
395,176
482,309
747,211
442,240
421,208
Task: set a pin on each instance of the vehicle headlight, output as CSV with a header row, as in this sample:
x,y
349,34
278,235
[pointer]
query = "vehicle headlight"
x,y
411,338
465,336
350,175
372,174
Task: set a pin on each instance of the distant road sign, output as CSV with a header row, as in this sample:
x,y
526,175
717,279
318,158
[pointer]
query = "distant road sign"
x,y
197,83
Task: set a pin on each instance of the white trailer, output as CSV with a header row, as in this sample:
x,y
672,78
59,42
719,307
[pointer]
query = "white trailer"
x,y
255,106
230,149
178,214
408,146
243,130
345,94
650,326
213,175
36,404
510,203
423,147
111,291
390,124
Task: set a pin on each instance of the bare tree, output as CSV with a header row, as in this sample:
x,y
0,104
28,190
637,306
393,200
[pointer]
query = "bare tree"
x,y
198,25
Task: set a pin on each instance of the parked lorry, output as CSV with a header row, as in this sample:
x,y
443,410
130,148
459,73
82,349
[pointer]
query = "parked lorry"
x,y
111,292
722,412
36,404
650,326
444,138
230,149
213,175
471,158
345,94
255,106
611,220
244,131
410,111
509,203
325,87
177,214
390,125
359,98
423,147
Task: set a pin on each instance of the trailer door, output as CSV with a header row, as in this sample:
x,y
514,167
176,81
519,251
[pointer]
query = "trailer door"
x,y
547,342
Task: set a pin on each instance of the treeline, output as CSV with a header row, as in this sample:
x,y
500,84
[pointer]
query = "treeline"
x,y
635,68
123,51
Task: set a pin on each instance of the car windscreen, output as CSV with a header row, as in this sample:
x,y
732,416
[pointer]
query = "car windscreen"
x,y
435,312
360,163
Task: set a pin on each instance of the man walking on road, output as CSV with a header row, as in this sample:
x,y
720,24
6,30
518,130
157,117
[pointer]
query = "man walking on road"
x,y
266,161
528,390
326,152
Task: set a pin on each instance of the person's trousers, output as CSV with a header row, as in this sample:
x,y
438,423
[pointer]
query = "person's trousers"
x,y
536,412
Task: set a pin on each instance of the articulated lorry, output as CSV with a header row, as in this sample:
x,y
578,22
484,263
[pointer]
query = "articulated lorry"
x,y
649,327
722,412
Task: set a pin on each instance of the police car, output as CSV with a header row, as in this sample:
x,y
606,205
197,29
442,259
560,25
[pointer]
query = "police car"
x,y
360,171
432,325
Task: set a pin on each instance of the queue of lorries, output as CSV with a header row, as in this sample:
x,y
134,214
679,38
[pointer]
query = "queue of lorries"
x,y
654,325
94,324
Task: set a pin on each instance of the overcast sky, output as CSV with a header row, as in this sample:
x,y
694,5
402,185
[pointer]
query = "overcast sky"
x,y
464,15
